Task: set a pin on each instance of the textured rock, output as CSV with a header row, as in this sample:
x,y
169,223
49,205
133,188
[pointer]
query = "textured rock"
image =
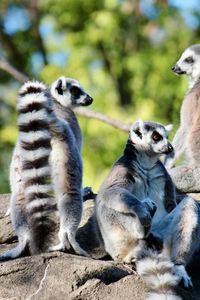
x,y
71,277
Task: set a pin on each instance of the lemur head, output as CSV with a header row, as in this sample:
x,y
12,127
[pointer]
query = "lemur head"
x,y
189,63
68,92
151,138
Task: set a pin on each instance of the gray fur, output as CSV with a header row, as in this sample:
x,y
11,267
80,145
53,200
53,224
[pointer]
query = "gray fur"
x,y
67,114
66,165
196,48
186,140
125,203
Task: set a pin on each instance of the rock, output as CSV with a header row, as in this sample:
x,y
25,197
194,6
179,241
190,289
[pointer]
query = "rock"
x,y
65,276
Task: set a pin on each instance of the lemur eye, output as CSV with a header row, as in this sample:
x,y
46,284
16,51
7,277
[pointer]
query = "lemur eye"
x,y
189,60
75,91
156,136
138,133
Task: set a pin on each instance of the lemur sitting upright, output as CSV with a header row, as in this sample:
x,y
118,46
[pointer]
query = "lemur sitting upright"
x,y
186,140
136,184
47,161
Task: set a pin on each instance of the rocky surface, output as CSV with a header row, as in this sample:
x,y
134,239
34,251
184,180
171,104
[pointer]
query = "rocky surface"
x,y
71,277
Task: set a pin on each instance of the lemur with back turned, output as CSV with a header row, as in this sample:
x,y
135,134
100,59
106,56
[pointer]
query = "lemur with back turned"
x,y
126,217
46,167
186,140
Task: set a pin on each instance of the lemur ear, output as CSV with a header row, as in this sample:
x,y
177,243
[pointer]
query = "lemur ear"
x,y
59,87
139,124
169,127
137,128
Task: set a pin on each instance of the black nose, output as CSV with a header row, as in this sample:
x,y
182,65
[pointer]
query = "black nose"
x,y
173,68
86,101
176,69
170,148
89,99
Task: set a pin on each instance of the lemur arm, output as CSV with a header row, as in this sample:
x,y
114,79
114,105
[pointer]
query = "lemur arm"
x,y
169,191
126,203
179,146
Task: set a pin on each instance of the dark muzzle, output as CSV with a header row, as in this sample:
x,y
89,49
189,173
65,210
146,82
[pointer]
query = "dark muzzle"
x,y
176,69
87,101
168,149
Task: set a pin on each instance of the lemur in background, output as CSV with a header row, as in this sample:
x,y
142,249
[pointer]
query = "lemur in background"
x,y
186,140
126,216
47,161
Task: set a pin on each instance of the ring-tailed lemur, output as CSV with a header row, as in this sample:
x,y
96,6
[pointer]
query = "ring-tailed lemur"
x,y
137,182
47,152
186,139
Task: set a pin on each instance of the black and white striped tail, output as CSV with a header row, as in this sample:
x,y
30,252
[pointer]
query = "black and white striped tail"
x,y
35,148
158,274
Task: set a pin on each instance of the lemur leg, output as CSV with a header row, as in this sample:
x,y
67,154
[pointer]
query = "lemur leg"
x,y
185,230
186,178
67,179
70,216
122,220
178,144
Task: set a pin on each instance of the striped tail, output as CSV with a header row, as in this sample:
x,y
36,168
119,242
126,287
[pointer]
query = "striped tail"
x,y
35,142
158,274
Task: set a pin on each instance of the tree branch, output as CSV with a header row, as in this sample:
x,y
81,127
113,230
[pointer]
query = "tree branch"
x,y
84,112
6,66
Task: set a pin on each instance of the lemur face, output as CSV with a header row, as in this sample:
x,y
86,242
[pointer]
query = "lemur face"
x,y
189,62
68,92
151,137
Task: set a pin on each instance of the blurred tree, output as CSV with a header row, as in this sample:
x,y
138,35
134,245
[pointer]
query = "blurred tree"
x,y
120,50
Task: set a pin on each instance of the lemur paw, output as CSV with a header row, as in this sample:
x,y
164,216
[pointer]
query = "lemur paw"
x,y
59,247
145,219
88,193
154,241
183,275
151,206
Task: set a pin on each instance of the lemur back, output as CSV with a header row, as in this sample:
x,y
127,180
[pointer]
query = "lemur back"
x,y
54,144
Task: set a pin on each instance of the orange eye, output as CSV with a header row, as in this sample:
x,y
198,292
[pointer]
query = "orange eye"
x,y
156,137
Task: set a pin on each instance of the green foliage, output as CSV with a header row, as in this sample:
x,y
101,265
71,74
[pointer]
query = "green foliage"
x,y
121,56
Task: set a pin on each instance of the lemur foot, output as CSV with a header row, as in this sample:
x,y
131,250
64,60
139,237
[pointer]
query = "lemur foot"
x,y
64,248
129,259
79,250
60,247
88,193
184,277
154,241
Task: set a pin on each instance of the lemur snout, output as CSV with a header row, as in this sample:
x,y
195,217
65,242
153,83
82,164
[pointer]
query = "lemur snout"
x,y
173,68
177,69
167,149
170,148
87,100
